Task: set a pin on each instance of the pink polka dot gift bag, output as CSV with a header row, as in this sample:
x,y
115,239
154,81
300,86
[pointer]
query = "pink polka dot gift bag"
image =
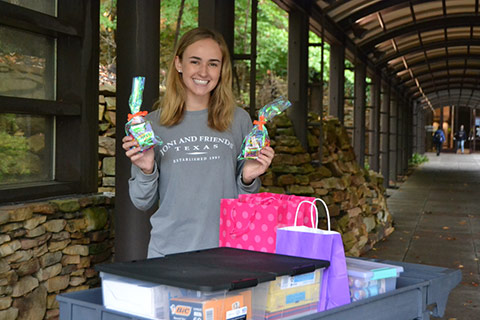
x,y
251,221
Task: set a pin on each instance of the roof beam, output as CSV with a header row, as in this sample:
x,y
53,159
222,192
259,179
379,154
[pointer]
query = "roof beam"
x,y
452,100
440,58
445,96
430,46
428,85
346,23
440,88
455,100
441,22
432,72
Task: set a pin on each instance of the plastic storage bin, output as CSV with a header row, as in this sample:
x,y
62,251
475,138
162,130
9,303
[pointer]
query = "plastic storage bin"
x,y
369,278
214,284
154,301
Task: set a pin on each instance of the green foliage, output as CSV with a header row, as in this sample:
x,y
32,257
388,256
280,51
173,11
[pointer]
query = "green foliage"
x,y
18,163
417,159
315,59
272,51
242,26
108,15
13,150
368,93
8,123
349,78
108,28
272,48
272,36
366,166
169,12
272,39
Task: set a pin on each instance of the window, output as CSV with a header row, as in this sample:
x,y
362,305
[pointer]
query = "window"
x,y
27,63
44,6
25,148
48,98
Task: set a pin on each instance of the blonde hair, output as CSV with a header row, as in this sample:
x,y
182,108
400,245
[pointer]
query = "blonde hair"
x,y
221,103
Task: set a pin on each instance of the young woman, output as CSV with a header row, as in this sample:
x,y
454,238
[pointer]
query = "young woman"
x,y
202,132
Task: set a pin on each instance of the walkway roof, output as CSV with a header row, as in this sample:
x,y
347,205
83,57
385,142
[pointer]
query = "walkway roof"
x,y
430,47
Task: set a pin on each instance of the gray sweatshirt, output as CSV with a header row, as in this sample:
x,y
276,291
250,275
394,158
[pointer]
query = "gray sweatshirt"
x,y
194,168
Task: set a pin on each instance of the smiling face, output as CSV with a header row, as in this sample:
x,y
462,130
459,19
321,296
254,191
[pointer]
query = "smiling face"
x,y
200,66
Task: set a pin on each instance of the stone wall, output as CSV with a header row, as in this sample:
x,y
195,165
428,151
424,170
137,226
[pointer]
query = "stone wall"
x,y
51,247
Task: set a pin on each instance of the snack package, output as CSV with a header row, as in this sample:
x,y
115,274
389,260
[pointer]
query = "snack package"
x,y
258,137
139,128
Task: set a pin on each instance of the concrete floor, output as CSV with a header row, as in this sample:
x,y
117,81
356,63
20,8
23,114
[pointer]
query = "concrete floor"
x,y
437,222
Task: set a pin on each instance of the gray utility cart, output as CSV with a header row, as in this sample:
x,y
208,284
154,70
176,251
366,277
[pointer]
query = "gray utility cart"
x,y
421,291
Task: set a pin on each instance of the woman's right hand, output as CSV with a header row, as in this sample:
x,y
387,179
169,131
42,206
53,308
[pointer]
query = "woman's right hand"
x,y
144,160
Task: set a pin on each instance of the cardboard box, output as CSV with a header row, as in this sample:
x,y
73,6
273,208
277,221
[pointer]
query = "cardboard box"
x,y
289,292
228,307
247,299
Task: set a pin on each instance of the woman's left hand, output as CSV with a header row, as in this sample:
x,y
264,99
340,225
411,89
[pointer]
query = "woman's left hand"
x,y
255,168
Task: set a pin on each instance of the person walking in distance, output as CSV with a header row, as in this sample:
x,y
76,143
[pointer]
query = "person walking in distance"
x,y
438,140
460,137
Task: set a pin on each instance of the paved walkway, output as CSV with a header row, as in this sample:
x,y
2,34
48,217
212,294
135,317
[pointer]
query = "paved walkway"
x,y
437,221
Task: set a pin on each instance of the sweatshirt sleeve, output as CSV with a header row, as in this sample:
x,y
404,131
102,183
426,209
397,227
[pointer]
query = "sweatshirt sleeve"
x,y
143,188
246,188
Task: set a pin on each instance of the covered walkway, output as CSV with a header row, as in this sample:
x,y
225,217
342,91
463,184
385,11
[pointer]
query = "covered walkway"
x,y
437,221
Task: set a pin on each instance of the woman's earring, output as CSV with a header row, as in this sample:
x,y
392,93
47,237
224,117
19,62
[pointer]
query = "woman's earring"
x,y
179,71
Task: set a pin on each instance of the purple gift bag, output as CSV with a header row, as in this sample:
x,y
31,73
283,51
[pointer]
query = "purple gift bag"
x,y
314,243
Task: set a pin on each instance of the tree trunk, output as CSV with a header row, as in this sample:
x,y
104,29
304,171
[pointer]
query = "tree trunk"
x,y
179,22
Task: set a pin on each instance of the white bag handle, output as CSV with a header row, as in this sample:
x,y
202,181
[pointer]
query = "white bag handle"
x,y
312,208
